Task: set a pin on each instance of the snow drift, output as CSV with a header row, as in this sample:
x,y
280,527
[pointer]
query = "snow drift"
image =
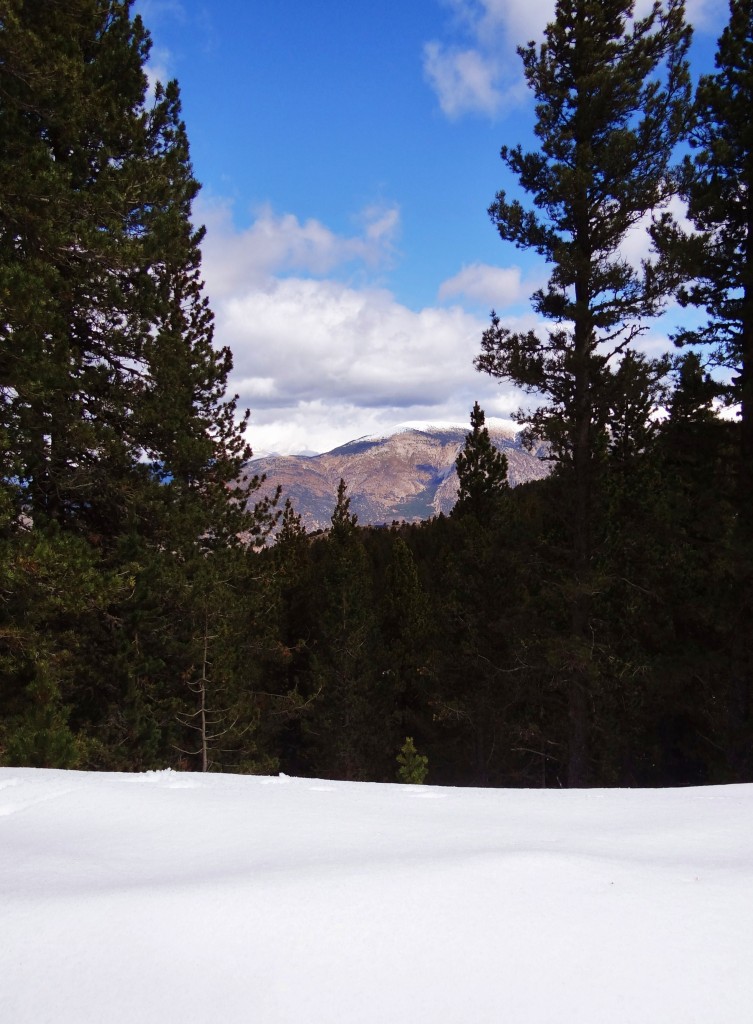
x,y
179,897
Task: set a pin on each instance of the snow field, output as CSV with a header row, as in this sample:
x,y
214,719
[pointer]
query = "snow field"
x,y
179,897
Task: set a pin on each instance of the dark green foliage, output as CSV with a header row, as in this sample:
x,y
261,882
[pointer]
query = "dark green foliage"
x,y
718,267
482,469
718,261
51,588
405,651
291,534
607,126
473,602
413,767
344,521
611,106
348,725
114,412
117,442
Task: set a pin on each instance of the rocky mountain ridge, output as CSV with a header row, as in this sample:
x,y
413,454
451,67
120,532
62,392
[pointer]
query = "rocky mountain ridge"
x,y
407,476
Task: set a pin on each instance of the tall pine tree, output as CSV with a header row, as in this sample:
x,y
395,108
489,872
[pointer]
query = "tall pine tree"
x,y
114,423
718,188
612,95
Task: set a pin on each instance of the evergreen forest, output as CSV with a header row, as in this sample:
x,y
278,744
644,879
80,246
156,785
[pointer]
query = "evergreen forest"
x,y
594,628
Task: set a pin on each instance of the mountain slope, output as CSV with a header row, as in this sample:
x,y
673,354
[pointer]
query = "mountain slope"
x,y
408,475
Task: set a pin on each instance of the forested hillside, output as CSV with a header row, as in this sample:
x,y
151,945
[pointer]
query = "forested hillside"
x,y
590,628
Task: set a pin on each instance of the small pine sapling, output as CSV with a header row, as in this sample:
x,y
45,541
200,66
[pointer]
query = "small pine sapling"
x,y
414,767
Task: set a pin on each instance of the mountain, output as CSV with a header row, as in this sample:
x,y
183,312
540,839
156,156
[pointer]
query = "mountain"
x,y
408,475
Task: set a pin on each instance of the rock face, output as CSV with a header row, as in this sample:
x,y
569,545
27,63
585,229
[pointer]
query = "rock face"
x,y
407,476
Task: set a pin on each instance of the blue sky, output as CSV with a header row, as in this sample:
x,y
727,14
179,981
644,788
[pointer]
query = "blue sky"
x,y
348,152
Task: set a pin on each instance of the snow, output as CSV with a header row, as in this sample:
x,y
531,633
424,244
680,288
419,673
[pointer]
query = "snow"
x,y
494,423
171,897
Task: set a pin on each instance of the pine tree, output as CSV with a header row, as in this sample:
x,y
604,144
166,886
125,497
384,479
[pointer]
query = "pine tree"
x,y
612,97
291,530
229,640
343,520
412,766
111,384
481,468
718,188
115,428
345,724
74,277
406,644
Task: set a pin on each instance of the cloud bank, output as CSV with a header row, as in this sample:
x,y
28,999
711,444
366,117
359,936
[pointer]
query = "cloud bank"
x,y
321,354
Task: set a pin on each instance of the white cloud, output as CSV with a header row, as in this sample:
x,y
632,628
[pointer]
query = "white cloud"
x,y
331,424
465,81
485,76
304,340
320,360
381,225
519,21
495,287
158,68
281,243
161,10
636,245
709,16
489,21
479,71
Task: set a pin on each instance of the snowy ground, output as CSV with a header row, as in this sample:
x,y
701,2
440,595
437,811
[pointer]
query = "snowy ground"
x,y
183,898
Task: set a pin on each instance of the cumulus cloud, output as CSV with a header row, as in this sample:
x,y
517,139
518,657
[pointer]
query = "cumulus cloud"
x,y
518,21
320,361
489,21
322,337
281,243
636,245
705,15
495,287
158,69
483,74
319,356
708,16
335,423
465,81
478,71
